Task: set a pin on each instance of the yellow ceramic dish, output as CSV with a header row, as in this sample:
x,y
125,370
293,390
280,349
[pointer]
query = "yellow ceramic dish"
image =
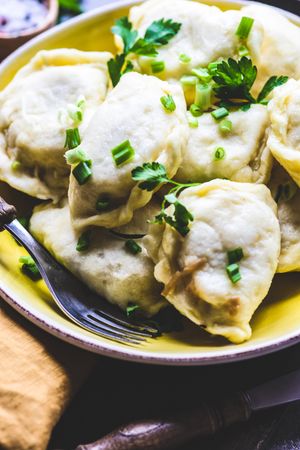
x,y
276,324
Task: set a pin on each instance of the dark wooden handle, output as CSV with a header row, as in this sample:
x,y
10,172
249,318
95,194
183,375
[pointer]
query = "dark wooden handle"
x,y
7,213
173,432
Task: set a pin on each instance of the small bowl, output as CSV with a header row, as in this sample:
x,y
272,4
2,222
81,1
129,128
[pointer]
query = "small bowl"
x,y
9,43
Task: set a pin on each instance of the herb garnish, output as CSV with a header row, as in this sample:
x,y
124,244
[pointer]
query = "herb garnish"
x,y
150,176
29,268
157,34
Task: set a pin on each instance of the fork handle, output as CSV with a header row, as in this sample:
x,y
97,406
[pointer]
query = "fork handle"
x,y
176,431
7,213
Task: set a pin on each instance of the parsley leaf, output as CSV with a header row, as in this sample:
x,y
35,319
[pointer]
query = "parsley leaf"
x,y
143,47
151,175
181,216
115,66
272,83
234,79
71,5
161,31
123,28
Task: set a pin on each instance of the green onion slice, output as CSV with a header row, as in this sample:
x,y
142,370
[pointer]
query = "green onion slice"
x,y
133,247
233,271
83,242
72,138
225,126
243,51
131,309
244,27
29,268
157,66
75,156
192,121
203,96
220,113
202,73
168,103
184,58
195,110
82,172
235,255
189,80
122,153
16,165
102,204
219,154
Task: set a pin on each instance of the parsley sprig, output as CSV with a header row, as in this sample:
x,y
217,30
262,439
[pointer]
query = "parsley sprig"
x,y
150,176
234,81
157,34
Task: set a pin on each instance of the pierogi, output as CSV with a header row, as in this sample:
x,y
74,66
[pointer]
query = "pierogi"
x,y
287,195
131,112
206,34
284,138
227,215
107,267
246,156
32,110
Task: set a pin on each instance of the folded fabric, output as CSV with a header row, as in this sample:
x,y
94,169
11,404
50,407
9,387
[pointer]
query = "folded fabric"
x,y
38,376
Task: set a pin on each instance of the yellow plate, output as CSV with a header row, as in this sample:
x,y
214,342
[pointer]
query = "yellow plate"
x,y
275,325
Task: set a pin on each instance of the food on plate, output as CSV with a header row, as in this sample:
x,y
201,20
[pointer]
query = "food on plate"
x,y
219,273
206,34
54,91
234,149
280,49
142,119
106,265
284,138
287,195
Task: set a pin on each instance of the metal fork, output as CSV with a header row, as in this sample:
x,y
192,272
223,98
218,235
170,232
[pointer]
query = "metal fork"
x,y
76,301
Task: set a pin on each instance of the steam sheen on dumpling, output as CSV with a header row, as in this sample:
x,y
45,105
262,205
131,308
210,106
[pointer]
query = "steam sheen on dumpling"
x,y
132,111
227,215
32,131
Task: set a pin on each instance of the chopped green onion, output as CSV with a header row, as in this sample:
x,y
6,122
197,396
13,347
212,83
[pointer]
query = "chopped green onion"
x,y
82,171
235,255
184,58
243,51
72,138
220,113
192,121
157,66
16,165
131,308
203,96
195,110
233,271
122,153
24,221
213,67
244,27
83,242
133,247
29,268
202,73
189,80
219,154
225,126
76,155
102,204
168,103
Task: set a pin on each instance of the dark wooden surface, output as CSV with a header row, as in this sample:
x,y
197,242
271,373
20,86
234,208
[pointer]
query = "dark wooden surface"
x,y
118,392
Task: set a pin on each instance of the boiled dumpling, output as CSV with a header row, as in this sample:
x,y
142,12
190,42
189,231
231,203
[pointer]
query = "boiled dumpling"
x,y
279,53
206,34
131,117
33,117
228,216
287,195
107,267
244,156
284,139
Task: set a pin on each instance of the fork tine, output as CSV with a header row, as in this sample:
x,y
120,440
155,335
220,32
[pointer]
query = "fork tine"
x,y
118,324
97,322
139,327
106,333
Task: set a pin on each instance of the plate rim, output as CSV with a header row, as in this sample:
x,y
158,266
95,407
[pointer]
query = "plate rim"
x,y
110,348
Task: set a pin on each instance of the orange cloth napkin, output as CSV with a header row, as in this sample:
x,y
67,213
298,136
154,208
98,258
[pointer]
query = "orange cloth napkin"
x,y
38,376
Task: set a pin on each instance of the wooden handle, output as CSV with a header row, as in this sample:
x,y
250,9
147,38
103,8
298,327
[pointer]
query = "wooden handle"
x,y
7,213
169,433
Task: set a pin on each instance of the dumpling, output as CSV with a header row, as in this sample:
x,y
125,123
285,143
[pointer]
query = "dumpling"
x,y
240,218
284,138
246,157
279,53
287,195
131,117
32,122
206,34
106,266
